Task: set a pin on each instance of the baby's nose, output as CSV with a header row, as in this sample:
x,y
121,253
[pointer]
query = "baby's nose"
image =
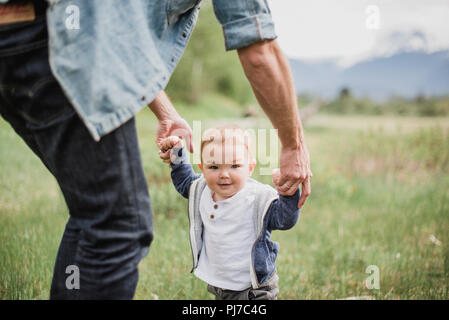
x,y
224,173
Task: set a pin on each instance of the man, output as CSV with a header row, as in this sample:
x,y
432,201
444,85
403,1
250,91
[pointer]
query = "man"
x,y
72,77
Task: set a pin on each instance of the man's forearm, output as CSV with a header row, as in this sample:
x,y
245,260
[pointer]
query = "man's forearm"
x,y
269,74
162,107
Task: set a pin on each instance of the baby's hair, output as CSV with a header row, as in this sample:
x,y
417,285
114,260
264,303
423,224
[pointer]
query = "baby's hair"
x,y
224,133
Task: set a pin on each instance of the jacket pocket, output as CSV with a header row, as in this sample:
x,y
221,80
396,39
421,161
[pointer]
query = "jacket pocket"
x,y
176,8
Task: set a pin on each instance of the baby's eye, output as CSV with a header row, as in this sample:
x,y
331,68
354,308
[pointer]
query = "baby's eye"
x,y
235,166
213,167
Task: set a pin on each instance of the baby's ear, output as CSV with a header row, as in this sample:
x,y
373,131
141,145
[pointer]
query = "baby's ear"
x,y
251,168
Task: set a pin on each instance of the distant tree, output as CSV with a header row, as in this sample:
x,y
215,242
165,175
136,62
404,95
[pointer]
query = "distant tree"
x,y
420,99
206,67
345,93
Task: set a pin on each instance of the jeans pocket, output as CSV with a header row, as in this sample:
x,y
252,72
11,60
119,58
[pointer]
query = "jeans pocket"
x,y
22,37
40,105
268,290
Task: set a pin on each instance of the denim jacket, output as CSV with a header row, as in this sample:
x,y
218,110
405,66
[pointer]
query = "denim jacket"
x,y
274,212
122,53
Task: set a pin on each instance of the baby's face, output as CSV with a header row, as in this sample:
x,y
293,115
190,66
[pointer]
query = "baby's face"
x,y
226,168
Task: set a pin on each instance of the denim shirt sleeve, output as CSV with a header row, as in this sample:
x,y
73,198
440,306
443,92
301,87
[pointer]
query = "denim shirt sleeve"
x,y
182,173
244,22
283,213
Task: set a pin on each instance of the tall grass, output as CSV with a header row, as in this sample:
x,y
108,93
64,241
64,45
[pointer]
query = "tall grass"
x,y
377,199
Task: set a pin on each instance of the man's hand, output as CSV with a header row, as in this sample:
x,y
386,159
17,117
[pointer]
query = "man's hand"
x,y
170,123
177,127
275,177
294,171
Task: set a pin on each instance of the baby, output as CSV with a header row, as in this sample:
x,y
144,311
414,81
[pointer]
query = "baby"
x,y
231,215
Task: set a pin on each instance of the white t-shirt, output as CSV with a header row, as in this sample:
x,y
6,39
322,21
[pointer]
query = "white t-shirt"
x,y
228,237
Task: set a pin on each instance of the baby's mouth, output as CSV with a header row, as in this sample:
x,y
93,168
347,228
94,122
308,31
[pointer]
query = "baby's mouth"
x,y
224,185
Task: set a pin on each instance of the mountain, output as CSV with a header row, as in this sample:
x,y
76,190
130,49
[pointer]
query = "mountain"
x,y
405,74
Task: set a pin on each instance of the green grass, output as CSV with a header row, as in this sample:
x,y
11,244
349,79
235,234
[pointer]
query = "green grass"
x,y
377,198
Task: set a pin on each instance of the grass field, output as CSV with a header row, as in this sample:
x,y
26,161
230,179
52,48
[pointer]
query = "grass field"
x,y
380,196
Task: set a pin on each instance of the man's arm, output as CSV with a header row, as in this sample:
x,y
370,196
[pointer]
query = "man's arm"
x,y
270,77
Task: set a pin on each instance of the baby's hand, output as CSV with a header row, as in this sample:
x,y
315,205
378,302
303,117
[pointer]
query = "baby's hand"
x,y
166,145
170,142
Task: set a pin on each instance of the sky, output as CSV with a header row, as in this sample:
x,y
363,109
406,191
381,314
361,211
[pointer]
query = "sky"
x,y
350,31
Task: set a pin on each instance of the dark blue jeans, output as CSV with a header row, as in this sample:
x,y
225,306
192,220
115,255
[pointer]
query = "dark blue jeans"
x,y
110,225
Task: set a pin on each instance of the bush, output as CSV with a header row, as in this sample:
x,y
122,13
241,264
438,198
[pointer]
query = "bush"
x,y
346,103
207,68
